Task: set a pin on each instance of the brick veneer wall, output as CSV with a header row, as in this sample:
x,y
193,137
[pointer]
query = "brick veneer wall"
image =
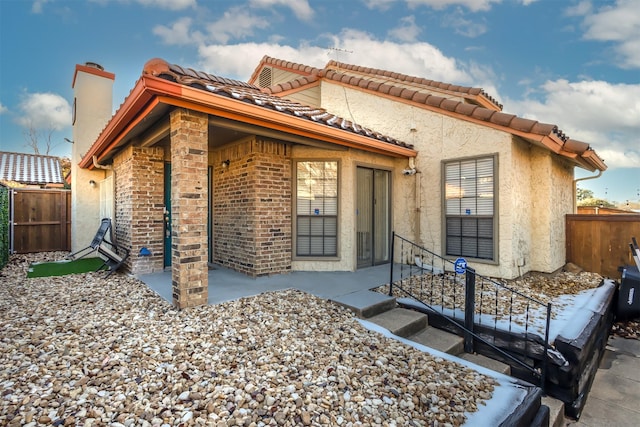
x,y
189,207
252,207
139,198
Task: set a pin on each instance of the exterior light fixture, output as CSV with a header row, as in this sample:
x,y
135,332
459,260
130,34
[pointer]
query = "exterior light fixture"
x,y
225,164
92,183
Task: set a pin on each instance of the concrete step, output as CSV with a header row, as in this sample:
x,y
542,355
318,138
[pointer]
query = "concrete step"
x,y
366,304
556,411
400,321
440,340
486,362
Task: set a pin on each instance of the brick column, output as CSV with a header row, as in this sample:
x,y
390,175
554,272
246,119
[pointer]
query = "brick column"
x,y
189,154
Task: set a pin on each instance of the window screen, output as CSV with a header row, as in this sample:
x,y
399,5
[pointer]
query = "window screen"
x,y
317,208
469,208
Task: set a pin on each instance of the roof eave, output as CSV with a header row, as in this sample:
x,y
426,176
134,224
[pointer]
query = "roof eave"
x,y
150,91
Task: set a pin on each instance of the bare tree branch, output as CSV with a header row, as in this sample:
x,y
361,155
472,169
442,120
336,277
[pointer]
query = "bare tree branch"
x,y
39,140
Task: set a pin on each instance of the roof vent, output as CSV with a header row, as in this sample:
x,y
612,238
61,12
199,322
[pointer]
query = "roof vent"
x,y
94,65
265,79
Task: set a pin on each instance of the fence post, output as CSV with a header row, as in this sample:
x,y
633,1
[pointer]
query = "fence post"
x,y
469,308
393,241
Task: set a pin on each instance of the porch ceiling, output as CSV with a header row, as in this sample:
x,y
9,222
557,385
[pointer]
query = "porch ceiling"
x,y
155,130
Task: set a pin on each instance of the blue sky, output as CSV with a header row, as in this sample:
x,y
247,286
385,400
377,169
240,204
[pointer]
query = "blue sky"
x,y
572,63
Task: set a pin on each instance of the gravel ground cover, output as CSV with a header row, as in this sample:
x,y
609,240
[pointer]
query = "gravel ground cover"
x,y
84,350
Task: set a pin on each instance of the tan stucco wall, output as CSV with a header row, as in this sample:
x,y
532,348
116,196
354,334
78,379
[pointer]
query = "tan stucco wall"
x,y
349,160
517,208
554,200
93,96
534,187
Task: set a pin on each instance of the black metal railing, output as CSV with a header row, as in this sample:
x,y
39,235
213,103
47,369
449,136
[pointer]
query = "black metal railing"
x,y
483,310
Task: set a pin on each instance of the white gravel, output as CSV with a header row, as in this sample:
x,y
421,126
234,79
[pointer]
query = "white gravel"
x,y
84,350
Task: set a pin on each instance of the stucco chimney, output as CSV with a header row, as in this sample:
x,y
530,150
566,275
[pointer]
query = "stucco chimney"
x,y
92,109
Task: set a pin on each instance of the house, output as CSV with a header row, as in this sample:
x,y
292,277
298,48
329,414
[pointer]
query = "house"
x,y
31,170
309,169
489,186
203,169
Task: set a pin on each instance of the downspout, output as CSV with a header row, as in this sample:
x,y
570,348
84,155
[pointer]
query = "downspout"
x,y
418,212
99,166
575,189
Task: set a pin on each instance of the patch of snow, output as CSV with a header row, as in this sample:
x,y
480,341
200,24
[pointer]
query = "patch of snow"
x,y
578,310
572,314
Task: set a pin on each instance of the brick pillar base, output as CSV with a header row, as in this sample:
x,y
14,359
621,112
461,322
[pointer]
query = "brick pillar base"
x,y
189,194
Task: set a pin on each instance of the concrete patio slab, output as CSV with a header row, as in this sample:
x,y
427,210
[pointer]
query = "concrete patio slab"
x,y
228,285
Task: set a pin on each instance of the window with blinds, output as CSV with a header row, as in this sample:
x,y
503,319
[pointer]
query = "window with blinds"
x,y
469,208
317,208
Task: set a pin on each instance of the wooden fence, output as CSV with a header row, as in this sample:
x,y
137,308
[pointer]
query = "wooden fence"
x,y
40,220
600,243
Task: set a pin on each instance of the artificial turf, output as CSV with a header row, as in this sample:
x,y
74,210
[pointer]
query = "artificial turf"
x,y
64,267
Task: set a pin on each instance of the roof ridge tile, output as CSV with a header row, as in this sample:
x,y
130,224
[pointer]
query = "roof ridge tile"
x,y
415,79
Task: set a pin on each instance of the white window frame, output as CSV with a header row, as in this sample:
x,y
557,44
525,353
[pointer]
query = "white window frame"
x,y
311,212
470,208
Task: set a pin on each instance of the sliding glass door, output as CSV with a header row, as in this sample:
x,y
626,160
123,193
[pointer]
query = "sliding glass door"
x,y
373,218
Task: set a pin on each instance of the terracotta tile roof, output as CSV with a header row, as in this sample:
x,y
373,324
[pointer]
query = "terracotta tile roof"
x,y
395,86
30,168
470,93
291,85
304,70
249,93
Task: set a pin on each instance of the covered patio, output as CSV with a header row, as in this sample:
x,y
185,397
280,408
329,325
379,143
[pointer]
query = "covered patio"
x,y
226,284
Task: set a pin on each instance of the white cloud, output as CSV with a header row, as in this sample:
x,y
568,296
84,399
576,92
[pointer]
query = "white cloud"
x,y
417,58
602,114
169,4
300,8
38,6
378,4
160,4
472,5
179,33
463,26
3,109
44,111
236,23
407,31
619,24
239,60
579,9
